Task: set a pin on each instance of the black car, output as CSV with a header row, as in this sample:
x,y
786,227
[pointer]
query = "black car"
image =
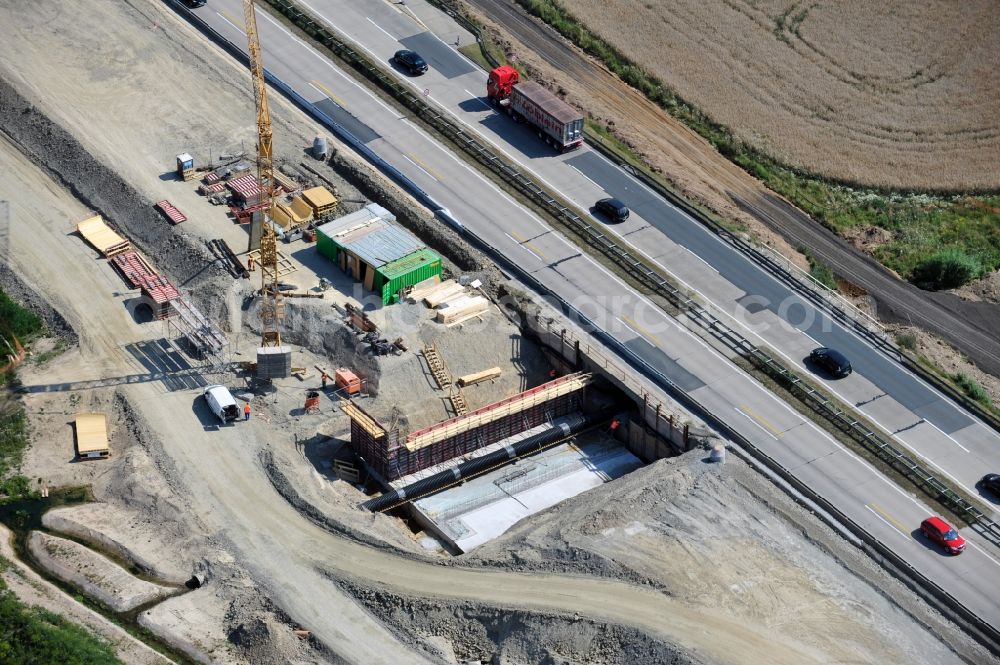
x,y
613,208
991,481
194,4
411,61
832,361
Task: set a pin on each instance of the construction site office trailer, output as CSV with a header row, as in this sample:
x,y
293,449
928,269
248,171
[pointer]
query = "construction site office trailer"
x,y
393,277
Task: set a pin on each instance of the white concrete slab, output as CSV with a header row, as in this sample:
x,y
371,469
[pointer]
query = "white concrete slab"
x,y
487,506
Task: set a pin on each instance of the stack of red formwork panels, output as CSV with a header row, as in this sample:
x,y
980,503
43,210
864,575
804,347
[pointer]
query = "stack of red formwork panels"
x,y
132,267
213,188
211,178
158,292
245,189
173,214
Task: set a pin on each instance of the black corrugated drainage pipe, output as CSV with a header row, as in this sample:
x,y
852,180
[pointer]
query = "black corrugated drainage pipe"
x,y
559,430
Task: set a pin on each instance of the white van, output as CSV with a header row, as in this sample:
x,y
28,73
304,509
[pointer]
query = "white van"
x,y
222,404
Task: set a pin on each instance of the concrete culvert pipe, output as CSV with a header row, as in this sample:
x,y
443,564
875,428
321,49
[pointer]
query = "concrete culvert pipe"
x,y
560,429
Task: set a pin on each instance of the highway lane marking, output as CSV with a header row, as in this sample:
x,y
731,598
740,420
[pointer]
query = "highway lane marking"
x,y
229,18
947,435
478,99
761,420
636,328
528,246
982,551
408,13
525,247
890,521
319,87
413,160
754,421
586,177
541,224
690,251
380,28
330,65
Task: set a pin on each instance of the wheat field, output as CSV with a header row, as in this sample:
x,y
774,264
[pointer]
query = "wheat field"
x,y
889,93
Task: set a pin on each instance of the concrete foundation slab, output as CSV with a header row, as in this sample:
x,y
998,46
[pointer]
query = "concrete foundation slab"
x,y
483,508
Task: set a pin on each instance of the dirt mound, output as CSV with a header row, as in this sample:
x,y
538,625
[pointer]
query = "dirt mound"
x,y
472,632
24,295
320,329
724,537
98,577
354,523
56,151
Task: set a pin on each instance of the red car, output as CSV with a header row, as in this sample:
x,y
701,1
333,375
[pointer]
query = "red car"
x,y
943,534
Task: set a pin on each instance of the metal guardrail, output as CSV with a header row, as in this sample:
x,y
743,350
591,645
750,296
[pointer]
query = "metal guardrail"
x,y
634,266
988,635
791,275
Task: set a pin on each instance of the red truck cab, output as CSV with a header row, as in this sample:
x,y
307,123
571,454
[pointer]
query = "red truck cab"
x,y
501,82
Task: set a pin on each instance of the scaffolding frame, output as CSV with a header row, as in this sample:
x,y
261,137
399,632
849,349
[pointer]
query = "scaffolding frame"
x,y
391,457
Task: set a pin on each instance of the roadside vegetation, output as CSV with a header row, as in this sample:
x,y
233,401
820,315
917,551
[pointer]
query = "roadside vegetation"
x,y
935,241
25,325
819,270
31,635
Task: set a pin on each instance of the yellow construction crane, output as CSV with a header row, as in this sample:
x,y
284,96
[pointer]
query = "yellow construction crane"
x,y
272,309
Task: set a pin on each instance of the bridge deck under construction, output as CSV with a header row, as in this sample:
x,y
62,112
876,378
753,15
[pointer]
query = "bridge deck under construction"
x,y
390,456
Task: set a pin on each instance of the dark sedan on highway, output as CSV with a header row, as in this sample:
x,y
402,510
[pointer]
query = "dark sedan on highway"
x,y
991,482
410,61
833,361
614,209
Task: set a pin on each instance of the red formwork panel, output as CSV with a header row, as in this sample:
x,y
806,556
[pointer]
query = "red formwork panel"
x,y
173,214
132,267
389,457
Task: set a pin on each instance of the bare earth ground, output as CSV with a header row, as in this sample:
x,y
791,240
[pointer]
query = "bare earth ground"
x,y
122,531
894,94
269,569
99,577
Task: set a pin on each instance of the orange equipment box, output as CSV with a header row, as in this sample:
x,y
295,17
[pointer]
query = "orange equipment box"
x,y
345,378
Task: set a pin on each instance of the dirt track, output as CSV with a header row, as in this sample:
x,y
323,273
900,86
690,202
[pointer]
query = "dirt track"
x,y
699,171
212,481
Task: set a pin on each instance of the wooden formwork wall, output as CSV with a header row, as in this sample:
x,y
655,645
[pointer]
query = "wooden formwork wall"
x,y
655,420
401,461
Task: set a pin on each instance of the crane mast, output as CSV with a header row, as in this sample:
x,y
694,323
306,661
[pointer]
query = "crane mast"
x,y
271,311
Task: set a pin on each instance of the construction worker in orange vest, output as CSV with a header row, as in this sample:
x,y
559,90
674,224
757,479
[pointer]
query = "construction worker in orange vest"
x,y
614,426
246,411
324,379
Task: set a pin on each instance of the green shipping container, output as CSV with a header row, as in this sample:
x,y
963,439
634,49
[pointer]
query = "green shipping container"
x,y
413,268
326,246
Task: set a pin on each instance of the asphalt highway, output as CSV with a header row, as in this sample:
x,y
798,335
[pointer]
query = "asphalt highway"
x,y
900,404
709,377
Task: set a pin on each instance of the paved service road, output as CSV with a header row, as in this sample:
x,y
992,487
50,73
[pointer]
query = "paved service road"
x,y
899,403
514,231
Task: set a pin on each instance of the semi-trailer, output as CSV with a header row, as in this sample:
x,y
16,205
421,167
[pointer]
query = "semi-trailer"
x,y
555,121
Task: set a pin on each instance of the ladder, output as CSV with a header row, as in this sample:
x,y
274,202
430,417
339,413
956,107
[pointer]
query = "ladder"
x,y
436,364
458,402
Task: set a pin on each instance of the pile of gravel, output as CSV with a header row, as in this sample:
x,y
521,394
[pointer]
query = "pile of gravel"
x,y
450,630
